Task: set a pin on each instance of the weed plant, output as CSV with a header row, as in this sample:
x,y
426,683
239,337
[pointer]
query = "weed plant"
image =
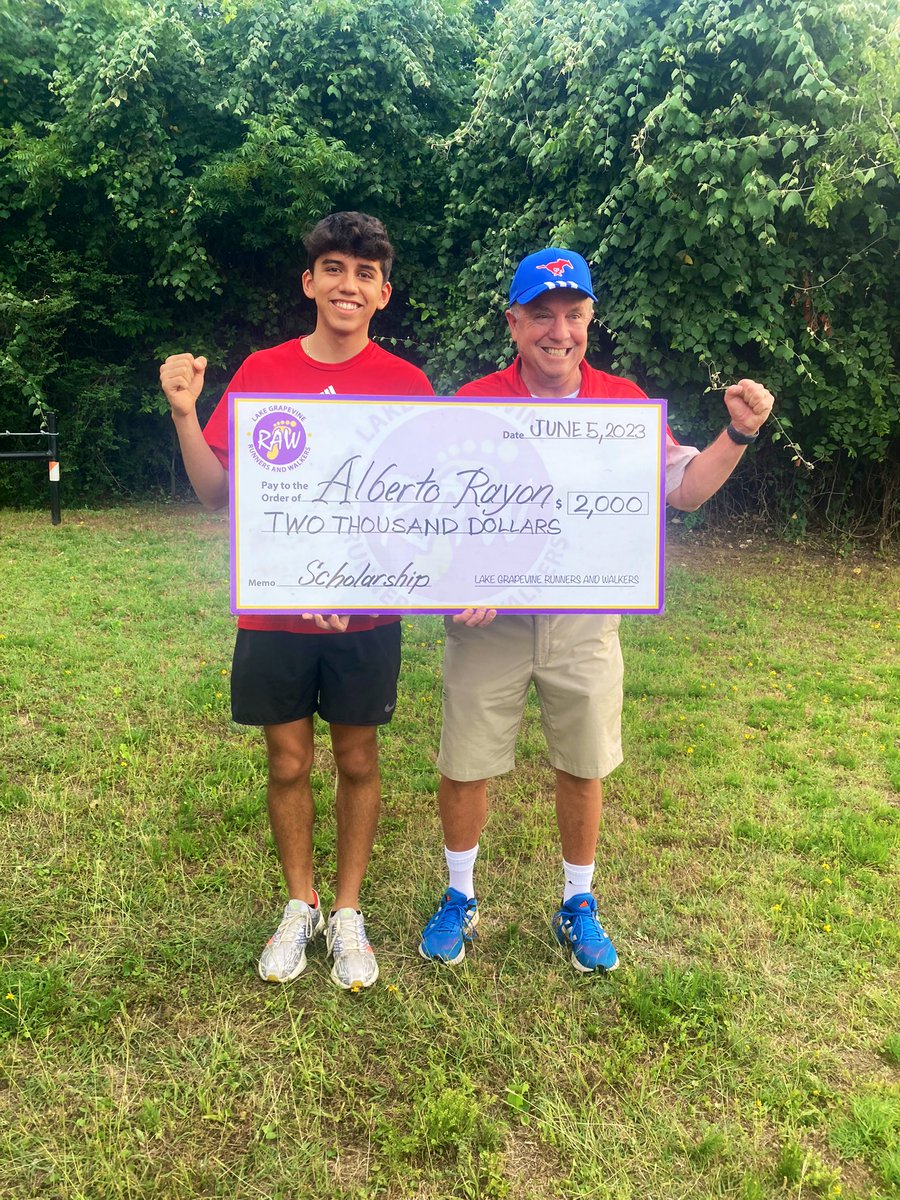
x,y
748,1047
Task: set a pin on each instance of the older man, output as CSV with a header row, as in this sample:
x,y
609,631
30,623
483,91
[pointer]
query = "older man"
x,y
574,661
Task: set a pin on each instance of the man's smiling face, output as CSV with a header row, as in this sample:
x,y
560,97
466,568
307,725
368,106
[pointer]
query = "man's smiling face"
x,y
550,333
347,291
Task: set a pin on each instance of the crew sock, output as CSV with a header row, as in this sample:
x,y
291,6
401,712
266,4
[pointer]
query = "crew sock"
x,y
461,867
577,879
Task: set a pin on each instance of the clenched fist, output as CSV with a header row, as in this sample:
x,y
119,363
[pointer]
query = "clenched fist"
x,y
181,377
748,404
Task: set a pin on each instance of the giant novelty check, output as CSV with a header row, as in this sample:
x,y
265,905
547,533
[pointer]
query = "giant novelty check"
x,y
395,504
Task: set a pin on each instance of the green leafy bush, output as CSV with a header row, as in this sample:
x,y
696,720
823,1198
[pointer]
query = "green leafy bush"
x,y
729,169
731,172
159,164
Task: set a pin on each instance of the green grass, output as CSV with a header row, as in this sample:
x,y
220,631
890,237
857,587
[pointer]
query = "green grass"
x,y
749,1047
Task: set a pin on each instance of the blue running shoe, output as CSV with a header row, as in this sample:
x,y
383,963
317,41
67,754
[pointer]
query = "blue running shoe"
x,y
578,930
444,937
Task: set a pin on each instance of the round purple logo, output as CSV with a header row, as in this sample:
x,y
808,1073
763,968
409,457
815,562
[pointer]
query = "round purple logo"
x,y
279,439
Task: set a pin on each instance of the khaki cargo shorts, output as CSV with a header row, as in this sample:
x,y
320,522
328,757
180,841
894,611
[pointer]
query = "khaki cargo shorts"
x,y
576,665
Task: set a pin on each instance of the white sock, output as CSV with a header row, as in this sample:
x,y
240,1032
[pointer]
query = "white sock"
x,y
578,879
461,866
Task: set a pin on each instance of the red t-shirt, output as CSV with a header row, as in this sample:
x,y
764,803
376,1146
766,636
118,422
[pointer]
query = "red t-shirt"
x,y
288,368
594,384
509,382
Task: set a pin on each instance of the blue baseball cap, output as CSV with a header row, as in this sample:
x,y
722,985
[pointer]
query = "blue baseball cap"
x,y
547,270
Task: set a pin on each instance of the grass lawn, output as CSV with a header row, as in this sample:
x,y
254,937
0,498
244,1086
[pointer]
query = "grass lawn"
x,y
748,1047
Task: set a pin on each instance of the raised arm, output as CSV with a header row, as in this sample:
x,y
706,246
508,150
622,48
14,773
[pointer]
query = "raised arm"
x,y
749,405
181,377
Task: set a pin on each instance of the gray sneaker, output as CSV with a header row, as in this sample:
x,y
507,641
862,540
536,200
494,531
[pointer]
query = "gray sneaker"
x,y
284,956
354,959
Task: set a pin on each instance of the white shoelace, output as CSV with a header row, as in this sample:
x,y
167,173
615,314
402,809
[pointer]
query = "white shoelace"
x,y
297,926
350,936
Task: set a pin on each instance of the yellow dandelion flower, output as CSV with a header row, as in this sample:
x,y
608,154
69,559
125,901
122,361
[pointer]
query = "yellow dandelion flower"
x,y
224,671
776,908
826,929
393,989
10,996
826,880
690,750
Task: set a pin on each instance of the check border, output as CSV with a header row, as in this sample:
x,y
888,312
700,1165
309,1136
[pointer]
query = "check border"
x,y
408,402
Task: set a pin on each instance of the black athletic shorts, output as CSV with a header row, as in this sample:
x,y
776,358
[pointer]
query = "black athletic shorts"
x,y
347,678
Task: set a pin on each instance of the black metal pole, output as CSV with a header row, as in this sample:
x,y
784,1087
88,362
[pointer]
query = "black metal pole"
x,y
54,468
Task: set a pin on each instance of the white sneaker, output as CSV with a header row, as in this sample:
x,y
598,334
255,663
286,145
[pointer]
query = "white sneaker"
x,y
354,959
284,956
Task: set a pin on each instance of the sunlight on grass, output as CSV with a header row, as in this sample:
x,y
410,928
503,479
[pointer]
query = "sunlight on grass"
x,y
748,1046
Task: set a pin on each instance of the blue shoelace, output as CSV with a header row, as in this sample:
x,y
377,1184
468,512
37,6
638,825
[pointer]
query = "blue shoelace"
x,y
585,927
449,916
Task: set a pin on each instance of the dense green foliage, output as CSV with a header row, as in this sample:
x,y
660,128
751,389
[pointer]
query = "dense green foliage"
x,y
160,164
729,169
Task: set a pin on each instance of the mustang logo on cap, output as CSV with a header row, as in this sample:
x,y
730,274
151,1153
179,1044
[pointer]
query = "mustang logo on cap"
x,y
556,268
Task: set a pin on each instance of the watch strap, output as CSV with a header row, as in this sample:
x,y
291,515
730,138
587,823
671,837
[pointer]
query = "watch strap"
x,y
741,439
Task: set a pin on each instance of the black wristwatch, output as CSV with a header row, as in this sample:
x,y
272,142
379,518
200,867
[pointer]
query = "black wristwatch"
x,y
741,439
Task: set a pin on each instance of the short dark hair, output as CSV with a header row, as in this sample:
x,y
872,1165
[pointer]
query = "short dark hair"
x,y
352,233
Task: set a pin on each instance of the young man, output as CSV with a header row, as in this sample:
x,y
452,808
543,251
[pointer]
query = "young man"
x,y
286,669
575,661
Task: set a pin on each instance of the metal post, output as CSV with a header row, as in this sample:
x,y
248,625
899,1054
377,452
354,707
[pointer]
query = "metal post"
x,y
53,467
49,454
